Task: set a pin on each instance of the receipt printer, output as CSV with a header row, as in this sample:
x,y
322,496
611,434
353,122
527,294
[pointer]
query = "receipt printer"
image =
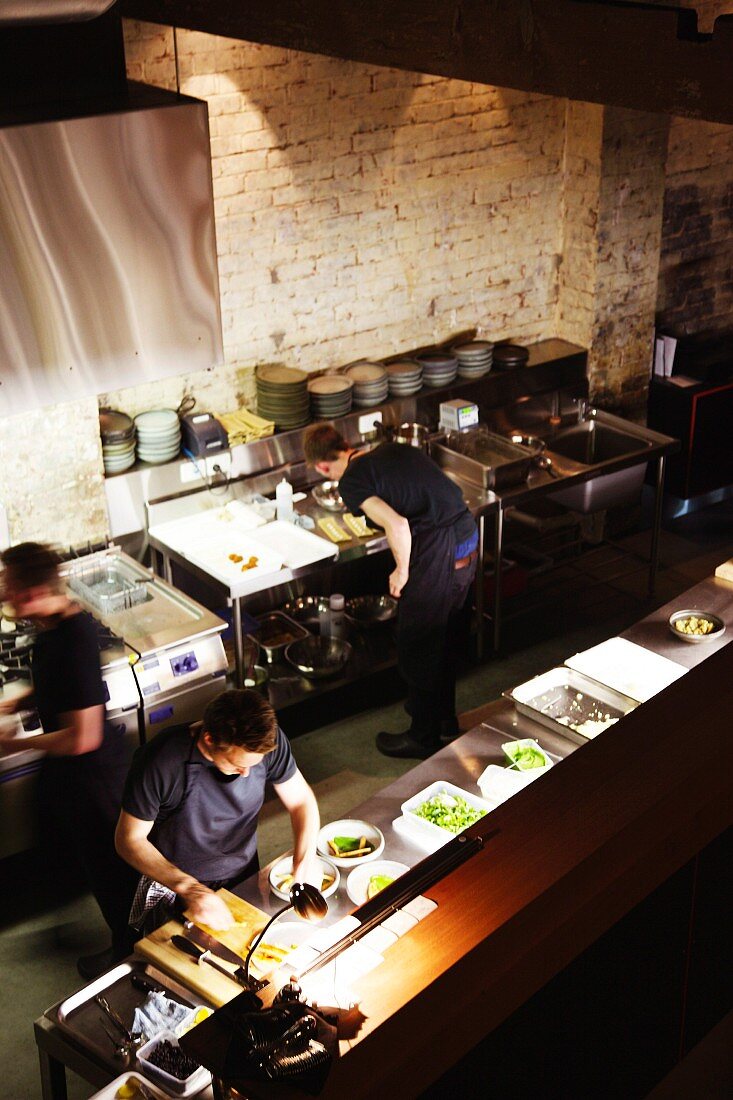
x,y
202,434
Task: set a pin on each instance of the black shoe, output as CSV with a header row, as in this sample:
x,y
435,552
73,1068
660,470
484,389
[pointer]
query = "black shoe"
x,y
404,746
448,732
91,966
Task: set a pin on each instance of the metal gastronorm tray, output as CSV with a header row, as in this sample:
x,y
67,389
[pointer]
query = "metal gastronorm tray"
x,y
562,692
82,1019
484,458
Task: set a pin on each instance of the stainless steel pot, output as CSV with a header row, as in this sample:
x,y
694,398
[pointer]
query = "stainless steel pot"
x,y
415,435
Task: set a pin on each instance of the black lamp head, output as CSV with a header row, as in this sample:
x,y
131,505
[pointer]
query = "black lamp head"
x,y
308,902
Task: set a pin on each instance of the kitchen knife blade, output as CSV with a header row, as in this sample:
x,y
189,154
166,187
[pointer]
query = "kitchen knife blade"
x,y
190,949
209,943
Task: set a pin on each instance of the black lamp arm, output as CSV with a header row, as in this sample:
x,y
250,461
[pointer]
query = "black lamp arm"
x,y
258,937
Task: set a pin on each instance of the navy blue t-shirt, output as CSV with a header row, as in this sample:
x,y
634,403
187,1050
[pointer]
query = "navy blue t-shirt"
x,y
205,821
412,484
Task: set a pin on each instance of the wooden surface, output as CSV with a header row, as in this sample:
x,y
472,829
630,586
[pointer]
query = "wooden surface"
x,y
724,572
642,57
201,977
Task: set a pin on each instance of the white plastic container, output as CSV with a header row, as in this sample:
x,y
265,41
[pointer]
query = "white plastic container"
x,y
441,786
197,1081
284,501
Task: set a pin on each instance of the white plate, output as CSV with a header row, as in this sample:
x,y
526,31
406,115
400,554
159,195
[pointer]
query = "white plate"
x,y
627,667
350,827
358,880
285,865
157,419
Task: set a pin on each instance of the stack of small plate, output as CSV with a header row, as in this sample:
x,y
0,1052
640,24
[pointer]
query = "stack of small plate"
x,y
371,383
474,359
158,435
405,377
330,396
282,396
507,356
118,440
438,368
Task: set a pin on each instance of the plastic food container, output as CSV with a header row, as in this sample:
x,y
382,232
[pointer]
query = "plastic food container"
x,y
440,786
511,748
497,783
189,1086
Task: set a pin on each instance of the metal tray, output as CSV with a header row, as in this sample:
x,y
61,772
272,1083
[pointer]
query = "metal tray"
x,y
276,625
483,458
563,693
83,1020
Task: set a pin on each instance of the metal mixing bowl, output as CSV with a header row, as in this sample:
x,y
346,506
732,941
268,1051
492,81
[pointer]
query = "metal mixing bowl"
x,y
687,613
317,657
327,495
307,609
371,610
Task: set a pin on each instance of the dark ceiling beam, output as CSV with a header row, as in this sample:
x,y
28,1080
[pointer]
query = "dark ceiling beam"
x,y
645,57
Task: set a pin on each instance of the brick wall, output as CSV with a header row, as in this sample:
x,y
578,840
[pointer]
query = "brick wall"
x,y
695,291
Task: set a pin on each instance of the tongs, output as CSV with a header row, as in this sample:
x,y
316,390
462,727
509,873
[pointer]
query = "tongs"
x,y
133,1038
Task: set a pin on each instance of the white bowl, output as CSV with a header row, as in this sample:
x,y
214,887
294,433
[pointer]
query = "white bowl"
x,y
350,827
526,743
358,880
285,865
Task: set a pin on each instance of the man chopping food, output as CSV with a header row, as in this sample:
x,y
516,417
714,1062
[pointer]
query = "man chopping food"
x,y
190,807
434,540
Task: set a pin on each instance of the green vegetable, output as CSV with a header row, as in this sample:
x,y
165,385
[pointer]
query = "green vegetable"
x,y
377,883
346,843
526,757
448,811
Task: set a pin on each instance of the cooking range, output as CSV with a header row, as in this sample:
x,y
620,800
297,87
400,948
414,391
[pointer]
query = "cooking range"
x,y
161,656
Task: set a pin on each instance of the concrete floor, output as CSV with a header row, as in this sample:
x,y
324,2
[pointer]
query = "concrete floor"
x,y
42,935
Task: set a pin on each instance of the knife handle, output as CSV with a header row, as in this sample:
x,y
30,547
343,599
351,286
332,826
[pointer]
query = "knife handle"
x,y
187,947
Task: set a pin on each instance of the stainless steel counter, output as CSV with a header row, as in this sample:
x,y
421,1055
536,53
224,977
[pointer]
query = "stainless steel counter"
x,y
653,632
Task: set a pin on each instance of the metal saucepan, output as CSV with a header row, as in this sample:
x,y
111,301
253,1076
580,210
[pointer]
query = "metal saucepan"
x,y
416,435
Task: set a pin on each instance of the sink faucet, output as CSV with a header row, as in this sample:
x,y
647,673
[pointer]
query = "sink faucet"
x,y
585,409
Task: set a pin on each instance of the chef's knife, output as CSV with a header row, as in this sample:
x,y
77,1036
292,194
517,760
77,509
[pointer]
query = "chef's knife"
x,y
209,943
200,956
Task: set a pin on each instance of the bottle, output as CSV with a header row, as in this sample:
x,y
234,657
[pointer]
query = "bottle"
x,y
324,621
284,501
336,615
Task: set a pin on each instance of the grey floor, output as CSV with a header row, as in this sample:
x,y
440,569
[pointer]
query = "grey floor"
x,y
41,938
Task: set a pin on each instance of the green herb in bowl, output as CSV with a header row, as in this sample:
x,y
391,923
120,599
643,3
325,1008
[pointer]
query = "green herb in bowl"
x,y
450,812
525,755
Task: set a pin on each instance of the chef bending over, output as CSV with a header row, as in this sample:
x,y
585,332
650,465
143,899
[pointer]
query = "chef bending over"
x,y
190,806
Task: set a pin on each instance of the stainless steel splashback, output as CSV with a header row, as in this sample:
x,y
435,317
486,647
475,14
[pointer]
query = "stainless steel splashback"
x,y
108,274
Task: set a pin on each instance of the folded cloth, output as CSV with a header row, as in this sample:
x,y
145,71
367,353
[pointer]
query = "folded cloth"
x,y
304,521
158,1013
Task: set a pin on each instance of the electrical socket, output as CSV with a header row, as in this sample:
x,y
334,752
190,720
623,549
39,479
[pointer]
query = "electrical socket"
x,y
367,421
223,460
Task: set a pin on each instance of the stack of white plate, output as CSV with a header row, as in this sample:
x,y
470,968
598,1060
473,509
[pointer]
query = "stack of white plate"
x,y
330,396
439,368
282,395
474,358
371,383
405,377
118,440
158,435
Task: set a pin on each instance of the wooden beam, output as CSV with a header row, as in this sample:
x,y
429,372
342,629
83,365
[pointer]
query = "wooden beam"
x,y
646,58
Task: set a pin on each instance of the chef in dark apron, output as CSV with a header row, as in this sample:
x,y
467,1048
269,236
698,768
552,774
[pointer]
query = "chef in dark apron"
x,y
189,811
81,779
434,541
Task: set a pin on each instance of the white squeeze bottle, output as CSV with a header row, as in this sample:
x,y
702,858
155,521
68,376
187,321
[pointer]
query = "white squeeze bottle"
x,y
284,501
336,611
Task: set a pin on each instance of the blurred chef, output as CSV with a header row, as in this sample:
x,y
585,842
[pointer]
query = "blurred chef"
x,y
190,807
81,779
433,539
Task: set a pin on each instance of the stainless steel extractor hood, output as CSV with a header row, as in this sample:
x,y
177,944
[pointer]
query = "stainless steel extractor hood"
x,y
107,251
23,13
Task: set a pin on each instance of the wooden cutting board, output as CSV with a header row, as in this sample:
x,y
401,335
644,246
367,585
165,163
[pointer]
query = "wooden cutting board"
x,y
725,571
201,977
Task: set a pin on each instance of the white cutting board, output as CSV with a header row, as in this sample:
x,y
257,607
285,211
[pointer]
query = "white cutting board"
x,y
215,556
627,667
295,546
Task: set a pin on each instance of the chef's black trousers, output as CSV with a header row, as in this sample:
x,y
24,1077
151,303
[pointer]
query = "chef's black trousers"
x,y
431,618
78,814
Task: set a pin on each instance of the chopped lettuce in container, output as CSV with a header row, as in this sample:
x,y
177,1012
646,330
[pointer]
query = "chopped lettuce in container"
x,y
447,811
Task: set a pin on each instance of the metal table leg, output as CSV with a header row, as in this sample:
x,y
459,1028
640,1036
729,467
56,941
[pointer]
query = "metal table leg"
x,y
498,544
53,1077
479,588
656,525
167,568
236,606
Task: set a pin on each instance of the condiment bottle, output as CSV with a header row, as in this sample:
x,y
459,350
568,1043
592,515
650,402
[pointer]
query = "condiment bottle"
x,y
324,620
284,501
336,615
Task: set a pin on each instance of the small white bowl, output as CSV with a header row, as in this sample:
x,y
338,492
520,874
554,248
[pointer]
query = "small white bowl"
x,y
284,866
358,880
355,828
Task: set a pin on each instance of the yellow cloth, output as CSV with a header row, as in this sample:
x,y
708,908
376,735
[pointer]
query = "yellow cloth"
x,y
358,526
243,426
333,530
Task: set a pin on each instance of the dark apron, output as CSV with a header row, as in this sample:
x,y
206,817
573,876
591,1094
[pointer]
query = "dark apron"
x,y
428,630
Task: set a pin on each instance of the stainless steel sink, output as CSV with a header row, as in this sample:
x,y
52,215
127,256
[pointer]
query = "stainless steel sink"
x,y
592,443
